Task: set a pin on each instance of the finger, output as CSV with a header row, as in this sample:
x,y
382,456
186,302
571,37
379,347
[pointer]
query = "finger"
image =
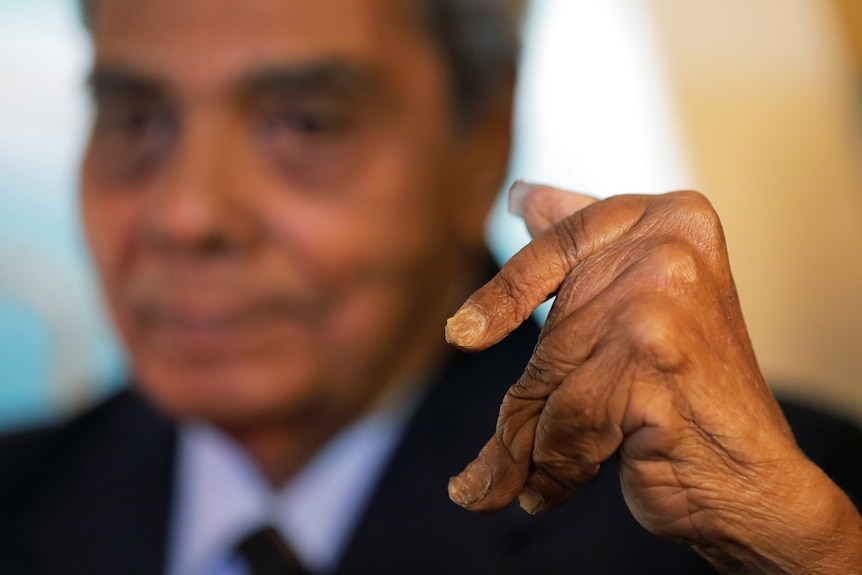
x,y
495,477
544,449
546,434
543,206
533,274
541,492
577,431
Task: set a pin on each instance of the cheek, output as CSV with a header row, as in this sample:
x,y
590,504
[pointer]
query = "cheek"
x,y
110,229
104,231
109,220
383,219
379,254
108,213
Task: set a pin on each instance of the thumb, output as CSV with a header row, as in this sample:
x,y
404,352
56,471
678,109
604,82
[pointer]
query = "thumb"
x,y
543,206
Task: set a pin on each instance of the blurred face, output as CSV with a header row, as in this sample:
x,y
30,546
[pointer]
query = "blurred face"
x,y
276,199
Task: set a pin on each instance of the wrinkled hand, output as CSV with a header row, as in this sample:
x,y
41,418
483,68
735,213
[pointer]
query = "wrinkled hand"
x,y
644,354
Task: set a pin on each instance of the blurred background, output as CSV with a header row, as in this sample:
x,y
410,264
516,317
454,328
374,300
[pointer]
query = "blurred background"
x,y
756,103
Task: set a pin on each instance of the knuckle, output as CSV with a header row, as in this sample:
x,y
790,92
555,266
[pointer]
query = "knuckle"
x,y
573,436
569,468
538,370
698,218
516,423
536,383
516,288
553,357
673,264
569,232
650,331
577,409
692,202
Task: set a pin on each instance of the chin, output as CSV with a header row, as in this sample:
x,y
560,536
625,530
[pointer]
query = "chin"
x,y
228,397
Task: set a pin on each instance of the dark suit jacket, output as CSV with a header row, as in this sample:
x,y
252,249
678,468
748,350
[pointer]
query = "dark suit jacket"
x,y
92,496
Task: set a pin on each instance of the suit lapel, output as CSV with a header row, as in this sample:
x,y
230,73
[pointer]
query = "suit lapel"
x,y
410,524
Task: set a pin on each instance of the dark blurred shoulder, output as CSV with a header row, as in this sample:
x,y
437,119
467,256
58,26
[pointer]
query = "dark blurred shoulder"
x,y
832,441
33,458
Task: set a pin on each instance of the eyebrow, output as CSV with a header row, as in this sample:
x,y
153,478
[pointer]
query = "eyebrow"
x,y
333,77
105,80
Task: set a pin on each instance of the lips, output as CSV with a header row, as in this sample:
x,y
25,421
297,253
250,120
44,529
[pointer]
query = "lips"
x,y
196,318
209,328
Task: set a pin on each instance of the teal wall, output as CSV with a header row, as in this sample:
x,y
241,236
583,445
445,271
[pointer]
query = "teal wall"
x,y
55,349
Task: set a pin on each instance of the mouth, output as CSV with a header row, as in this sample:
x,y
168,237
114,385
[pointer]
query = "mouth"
x,y
195,319
213,330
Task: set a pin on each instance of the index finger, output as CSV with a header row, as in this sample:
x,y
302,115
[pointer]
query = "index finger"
x,y
535,273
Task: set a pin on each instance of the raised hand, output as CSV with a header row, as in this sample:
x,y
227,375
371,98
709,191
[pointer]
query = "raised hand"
x,y
645,354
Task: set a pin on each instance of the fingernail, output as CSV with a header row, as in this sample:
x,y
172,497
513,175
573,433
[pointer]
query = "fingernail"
x,y
517,194
530,501
466,327
471,485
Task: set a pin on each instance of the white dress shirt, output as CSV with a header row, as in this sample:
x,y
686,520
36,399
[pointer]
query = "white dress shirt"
x,y
220,496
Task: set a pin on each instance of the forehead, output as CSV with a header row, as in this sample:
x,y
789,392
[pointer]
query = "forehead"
x,y
208,39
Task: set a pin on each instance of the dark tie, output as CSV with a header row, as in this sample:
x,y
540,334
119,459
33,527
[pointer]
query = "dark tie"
x,y
267,554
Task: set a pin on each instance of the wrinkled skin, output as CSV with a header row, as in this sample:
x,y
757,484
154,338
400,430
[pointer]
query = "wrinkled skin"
x,y
645,354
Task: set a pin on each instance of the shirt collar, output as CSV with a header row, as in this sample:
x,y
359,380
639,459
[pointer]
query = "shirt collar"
x,y
220,496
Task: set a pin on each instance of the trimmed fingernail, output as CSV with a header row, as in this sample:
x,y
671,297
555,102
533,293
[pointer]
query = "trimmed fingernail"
x,y
517,194
471,485
466,326
530,501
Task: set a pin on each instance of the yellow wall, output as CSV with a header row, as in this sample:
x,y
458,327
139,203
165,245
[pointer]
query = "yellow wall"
x,y
850,15
770,115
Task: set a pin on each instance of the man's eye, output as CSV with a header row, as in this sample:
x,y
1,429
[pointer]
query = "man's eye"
x,y
131,120
131,137
308,141
135,121
305,123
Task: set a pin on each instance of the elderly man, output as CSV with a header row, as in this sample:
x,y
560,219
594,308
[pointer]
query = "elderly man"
x,y
285,201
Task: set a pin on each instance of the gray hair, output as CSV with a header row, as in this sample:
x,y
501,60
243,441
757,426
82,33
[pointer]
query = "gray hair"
x,y
479,42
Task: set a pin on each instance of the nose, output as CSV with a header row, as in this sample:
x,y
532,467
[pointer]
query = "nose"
x,y
196,209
